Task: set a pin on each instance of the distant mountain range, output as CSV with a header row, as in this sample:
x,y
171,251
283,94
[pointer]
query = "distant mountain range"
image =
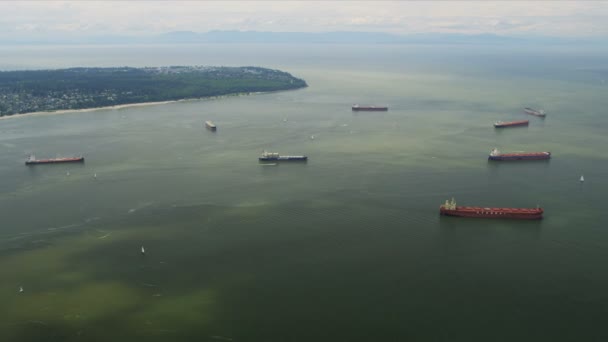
x,y
189,37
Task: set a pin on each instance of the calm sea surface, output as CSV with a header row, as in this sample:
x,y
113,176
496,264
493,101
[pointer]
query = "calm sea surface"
x,y
346,247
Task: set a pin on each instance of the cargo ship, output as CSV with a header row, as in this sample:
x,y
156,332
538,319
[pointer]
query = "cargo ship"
x,y
449,208
496,155
33,161
535,112
210,126
500,124
357,108
273,156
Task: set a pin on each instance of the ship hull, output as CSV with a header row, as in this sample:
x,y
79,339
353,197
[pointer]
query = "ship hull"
x,y
284,158
511,124
370,109
494,213
520,157
54,161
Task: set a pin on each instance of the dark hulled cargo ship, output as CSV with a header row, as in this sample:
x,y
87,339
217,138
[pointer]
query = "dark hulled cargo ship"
x,y
500,124
273,156
449,208
496,155
541,113
33,161
358,108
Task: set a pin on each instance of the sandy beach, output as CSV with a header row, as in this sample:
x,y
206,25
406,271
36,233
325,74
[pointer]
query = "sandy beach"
x,y
141,104
66,111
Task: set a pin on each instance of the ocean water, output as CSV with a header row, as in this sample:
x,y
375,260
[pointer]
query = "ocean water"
x,y
346,247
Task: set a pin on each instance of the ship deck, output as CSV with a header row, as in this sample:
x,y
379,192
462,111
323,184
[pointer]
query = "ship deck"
x,y
523,154
480,210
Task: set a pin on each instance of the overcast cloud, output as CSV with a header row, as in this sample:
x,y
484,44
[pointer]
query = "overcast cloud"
x,y
75,18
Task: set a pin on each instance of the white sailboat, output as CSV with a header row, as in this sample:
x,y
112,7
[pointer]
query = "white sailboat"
x,y
143,251
582,179
20,289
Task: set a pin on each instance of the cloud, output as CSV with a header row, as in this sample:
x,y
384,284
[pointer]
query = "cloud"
x,y
560,18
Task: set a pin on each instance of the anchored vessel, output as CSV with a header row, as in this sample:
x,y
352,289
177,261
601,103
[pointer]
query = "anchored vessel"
x,y
449,208
32,160
357,108
210,126
500,124
273,156
496,155
535,112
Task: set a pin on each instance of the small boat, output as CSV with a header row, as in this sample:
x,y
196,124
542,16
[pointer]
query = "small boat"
x,y
143,251
451,209
95,176
67,173
541,113
582,179
20,289
210,126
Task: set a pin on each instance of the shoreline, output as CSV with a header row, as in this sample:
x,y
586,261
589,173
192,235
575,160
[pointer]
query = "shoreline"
x,y
126,105
84,110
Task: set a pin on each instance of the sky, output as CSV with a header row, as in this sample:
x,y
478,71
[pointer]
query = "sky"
x,y
39,19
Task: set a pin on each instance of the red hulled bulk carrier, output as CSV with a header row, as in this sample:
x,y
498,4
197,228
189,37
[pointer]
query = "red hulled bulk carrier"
x,y
501,124
33,161
495,154
449,208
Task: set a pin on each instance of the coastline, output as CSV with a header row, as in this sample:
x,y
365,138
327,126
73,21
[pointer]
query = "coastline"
x,y
83,110
126,105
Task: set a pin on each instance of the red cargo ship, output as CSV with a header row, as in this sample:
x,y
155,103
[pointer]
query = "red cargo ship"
x,y
33,161
495,154
357,108
501,124
449,208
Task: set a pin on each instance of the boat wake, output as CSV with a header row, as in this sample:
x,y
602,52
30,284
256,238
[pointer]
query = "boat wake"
x,y
139,207
38,237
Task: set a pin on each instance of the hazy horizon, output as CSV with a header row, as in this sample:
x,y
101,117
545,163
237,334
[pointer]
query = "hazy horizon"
x,y
27,20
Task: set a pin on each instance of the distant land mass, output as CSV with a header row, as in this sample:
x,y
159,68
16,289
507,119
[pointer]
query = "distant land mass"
x,y
335,37
81,88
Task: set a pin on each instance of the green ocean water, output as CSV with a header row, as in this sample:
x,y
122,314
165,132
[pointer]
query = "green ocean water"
x,y
346,247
